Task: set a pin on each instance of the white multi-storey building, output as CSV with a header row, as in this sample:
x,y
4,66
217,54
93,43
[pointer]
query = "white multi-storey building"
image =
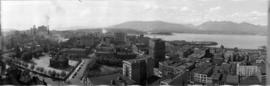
x,y
247,70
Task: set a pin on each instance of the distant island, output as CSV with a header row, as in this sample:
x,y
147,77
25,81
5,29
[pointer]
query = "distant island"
x,y
205,43
163,33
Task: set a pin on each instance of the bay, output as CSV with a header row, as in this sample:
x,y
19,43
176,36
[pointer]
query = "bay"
x,y
229,41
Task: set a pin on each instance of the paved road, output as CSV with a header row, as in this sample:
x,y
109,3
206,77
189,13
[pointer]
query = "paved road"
x,y
77,79
75,70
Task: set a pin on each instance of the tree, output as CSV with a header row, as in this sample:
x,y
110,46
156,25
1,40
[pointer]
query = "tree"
x,y
53,73
57,75
38,68
235,49
27,56
17,52
41,69
50,72
32,67
221,46
26,65
63,74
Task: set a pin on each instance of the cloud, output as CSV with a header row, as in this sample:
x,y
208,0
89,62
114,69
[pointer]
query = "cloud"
x,y
75,13
84,13
185,9
254,17
253,14
58,8
235,14
256,13
151,6
248,0
205,0
214,9
238,0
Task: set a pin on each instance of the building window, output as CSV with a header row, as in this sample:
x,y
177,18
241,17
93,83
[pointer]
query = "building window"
x,y
127,71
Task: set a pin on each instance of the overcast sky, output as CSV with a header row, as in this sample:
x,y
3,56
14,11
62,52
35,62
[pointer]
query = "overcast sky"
x,y
102,13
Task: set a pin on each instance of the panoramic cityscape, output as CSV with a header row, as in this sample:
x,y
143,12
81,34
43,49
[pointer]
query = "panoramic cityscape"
x,y
89,42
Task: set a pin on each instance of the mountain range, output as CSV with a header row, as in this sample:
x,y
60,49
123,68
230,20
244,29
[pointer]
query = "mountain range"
x,y
211,27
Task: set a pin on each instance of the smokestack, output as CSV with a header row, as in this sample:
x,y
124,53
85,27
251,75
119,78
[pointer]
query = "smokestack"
x,y
48,29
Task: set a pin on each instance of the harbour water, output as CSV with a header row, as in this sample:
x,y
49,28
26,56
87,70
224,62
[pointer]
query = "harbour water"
x,y
229,41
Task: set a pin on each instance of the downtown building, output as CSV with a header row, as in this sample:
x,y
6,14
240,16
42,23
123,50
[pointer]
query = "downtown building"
x,y
172,68
175,72
138,70
125,52
2,69
179,80
105,50
120,36
140,42
157,50
247,70
202,74
74,53
40,30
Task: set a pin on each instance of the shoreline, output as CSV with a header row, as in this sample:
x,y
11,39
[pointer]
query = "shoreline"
x,y
229,41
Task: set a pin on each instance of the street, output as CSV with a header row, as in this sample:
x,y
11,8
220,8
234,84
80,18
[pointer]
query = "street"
x,y
77,78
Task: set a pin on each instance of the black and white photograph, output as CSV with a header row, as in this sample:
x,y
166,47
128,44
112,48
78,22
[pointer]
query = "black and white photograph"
x,y
134,42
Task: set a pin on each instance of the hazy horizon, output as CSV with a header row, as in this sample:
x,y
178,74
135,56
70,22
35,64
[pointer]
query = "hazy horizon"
x,y
22,15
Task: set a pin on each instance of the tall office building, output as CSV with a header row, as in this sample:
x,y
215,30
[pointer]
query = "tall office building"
x,y
157,50
138,70
120,36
